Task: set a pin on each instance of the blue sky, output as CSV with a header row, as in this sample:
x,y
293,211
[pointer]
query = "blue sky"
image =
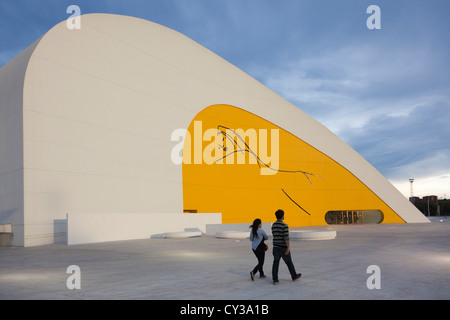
x,y
385,92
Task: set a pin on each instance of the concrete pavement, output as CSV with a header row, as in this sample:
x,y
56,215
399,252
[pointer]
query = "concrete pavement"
x,y
413,259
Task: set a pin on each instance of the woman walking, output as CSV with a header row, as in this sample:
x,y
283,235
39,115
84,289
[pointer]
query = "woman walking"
x,y
257,237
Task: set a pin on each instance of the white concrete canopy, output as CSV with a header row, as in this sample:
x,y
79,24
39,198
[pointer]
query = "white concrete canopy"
x,y
86,118
313,235
232,235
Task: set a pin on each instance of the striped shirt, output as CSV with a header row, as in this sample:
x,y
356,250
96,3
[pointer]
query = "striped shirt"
x,y
280,233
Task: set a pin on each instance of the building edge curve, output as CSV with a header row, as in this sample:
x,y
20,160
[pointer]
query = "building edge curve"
x,y
194,78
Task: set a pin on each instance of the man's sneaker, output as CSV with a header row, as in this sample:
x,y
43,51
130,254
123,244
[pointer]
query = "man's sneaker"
x,y
252,276
297,276
275,282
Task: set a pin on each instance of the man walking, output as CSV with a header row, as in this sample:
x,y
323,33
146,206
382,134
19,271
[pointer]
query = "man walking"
x,y
281,248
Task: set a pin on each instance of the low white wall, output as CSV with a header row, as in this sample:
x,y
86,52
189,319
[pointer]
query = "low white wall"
x,y
97,227
212,229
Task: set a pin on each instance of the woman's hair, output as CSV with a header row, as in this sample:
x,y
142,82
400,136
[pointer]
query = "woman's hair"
x,y
255,227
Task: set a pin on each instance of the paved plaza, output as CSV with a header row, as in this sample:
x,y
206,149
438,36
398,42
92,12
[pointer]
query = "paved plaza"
x,y
413,260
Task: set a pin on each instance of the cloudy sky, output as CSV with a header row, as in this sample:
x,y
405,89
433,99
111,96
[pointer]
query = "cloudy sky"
x,y
385,92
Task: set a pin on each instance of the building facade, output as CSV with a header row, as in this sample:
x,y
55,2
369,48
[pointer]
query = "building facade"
x,y
89,121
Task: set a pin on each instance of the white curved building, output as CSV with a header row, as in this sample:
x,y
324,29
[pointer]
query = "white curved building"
x,y
86,124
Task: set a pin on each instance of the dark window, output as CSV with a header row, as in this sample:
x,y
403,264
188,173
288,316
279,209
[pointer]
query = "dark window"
x,y
354,217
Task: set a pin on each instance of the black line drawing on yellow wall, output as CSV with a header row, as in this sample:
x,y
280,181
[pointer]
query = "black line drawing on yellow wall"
x,y
238,148
239,145
294,201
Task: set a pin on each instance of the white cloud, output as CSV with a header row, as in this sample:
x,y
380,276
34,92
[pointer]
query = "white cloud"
x,y
349,86
391,105
437,185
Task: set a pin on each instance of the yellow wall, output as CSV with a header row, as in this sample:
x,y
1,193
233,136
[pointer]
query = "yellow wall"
x,y
241,193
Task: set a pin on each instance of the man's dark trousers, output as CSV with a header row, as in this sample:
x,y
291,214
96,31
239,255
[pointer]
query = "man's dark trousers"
x,y
278,253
